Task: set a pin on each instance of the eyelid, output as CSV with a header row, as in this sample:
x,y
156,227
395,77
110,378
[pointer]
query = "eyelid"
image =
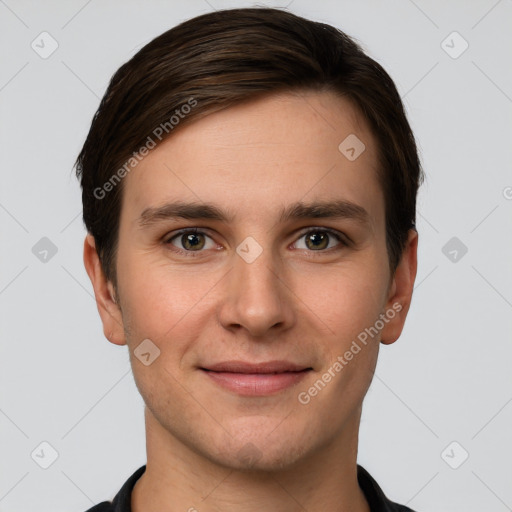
x,y
169,237
340,237
334,232
343,240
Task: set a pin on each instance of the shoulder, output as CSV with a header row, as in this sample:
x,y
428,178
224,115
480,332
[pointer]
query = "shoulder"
x,y
375,495
105,506
122,500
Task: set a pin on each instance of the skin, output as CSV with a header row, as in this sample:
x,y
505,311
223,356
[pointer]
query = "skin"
x,y
294,302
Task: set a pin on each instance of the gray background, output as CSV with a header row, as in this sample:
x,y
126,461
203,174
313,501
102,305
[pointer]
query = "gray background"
x,y
447,379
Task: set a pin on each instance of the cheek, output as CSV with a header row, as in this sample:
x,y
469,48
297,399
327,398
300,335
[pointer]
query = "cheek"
x,y
350,297
167,308
157,300
350,307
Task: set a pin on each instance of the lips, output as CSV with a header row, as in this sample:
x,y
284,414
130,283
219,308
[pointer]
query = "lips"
x,y
265,367
256,379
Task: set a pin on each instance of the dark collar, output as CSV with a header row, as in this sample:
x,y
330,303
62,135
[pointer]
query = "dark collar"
x,y
373,493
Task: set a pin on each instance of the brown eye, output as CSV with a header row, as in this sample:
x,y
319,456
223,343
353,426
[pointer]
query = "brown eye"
x,y
190,241
317,240
320,239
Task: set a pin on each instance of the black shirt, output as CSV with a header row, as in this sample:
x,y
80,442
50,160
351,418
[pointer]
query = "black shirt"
x,y
373,493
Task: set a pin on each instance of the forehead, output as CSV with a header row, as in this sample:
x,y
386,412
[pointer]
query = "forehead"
x,y
271,151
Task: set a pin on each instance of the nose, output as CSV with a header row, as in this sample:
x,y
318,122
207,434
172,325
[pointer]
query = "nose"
x,y
256,297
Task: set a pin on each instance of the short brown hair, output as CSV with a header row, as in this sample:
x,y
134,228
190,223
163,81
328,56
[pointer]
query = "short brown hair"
x,y
221,59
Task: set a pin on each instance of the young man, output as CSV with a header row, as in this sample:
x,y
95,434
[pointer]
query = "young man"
x,y
249,191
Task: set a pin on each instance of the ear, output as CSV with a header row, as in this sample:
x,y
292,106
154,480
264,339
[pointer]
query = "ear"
x,y
109,310
400,291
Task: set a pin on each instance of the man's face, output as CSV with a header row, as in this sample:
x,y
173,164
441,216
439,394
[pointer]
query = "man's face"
x,y
256,287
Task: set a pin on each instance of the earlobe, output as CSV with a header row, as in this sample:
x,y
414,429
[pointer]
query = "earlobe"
x,y
400,294
109,310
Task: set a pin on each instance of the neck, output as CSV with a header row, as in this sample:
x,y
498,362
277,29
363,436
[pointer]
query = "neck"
x,y
179,479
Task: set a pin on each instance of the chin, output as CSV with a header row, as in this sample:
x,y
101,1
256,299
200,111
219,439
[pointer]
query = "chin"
x,y
260,455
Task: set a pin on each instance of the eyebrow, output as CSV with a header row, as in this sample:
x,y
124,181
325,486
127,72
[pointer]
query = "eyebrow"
x,y
338,209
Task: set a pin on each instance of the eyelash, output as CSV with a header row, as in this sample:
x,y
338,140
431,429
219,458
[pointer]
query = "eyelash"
x,y
338,236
